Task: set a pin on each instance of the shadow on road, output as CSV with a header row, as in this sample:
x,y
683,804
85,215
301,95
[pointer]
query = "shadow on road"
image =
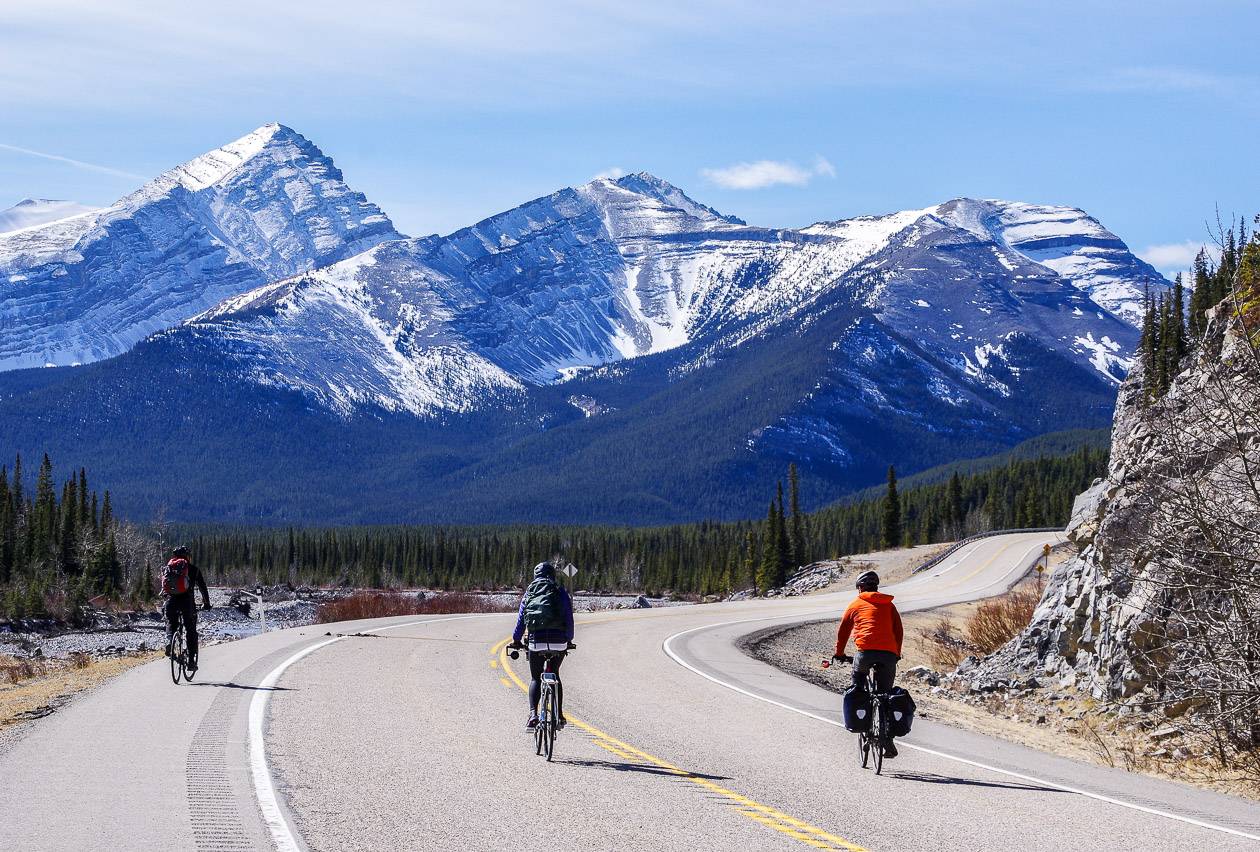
x,y
933,778
232,685
645,768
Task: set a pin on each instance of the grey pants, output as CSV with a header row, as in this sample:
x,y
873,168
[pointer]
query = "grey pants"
x,y
883,662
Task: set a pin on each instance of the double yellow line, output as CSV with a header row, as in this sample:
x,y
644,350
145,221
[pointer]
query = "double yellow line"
x,y
764,814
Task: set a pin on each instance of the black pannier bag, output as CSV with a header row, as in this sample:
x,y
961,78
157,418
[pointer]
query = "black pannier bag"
x,y
857,709
900,712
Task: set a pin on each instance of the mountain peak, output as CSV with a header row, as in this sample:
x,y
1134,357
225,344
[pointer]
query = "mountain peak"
x,y
649,185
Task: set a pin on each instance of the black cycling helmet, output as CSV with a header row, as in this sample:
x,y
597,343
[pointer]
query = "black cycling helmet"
x,y
180,552
868,581
545,569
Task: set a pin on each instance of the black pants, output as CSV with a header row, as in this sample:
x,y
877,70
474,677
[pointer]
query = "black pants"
x,y
883,662
535,683
185,605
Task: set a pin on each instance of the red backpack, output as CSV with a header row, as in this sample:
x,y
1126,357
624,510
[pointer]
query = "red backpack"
x,y
177,577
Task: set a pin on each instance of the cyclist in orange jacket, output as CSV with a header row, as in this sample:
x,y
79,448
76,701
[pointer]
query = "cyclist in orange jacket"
x,y
875,626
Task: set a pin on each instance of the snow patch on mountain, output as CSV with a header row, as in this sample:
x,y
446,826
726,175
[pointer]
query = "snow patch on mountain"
x,y
333,336
1105,355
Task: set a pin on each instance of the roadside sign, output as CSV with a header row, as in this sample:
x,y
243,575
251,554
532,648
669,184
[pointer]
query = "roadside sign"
x,y
1045,548
568,570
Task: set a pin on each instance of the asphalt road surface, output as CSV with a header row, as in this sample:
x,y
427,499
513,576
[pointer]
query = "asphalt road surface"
x,y
409,734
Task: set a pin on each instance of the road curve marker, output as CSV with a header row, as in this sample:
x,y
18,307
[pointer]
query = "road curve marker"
x,y
669,651
282,834
764,814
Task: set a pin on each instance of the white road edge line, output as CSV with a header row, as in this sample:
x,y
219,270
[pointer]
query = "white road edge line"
x,y
282,834
667,647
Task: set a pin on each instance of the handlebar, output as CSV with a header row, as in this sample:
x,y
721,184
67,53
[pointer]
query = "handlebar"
x,y
843,658
514,649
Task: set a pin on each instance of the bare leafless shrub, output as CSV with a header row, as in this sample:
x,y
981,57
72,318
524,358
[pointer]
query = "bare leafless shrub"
x,y
945,649
386,604
17,669
999,620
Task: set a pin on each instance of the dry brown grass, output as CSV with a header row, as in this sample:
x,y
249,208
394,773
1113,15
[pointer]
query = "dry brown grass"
x,y
36,687
363,605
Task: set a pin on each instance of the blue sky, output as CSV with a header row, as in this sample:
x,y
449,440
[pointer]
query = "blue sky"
x,y
1144,114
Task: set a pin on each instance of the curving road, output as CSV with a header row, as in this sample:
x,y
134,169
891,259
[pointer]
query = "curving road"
x,y
407,734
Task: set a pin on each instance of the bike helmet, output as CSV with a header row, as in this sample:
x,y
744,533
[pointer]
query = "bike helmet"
x,y
180,552
544,569
868,581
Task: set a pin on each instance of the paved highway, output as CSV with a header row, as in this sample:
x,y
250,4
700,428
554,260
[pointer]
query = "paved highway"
x,y
408,734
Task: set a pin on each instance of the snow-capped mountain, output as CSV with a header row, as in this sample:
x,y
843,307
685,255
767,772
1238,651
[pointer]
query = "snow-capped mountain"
x,y
616,351
33,212
619,269
265,207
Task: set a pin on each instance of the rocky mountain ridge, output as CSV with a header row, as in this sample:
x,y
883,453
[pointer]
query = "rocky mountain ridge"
x,y
262,208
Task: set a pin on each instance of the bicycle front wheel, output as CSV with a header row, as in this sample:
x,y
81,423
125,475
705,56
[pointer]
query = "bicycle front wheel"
x,y
540,728
177,659
553,721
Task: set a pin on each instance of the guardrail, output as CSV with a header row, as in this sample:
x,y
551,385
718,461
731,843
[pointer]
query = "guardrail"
x,y
941,557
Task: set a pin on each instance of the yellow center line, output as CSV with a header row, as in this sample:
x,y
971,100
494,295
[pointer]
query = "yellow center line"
x,y
763,814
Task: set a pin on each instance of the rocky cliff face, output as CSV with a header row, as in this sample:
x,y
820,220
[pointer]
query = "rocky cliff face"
x,y
1165,577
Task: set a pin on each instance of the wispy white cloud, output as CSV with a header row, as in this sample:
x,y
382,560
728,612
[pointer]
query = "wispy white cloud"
x,y
1171,255
614,172
1165,78
78,164
765,173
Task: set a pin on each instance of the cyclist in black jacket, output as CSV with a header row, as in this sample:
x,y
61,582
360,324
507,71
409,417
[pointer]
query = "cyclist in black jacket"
x,y
183,603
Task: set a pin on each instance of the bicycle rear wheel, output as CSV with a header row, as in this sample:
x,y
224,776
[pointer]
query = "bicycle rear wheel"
x,y
879,731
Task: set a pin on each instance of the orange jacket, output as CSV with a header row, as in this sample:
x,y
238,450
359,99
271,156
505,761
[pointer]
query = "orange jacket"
x,y
874,623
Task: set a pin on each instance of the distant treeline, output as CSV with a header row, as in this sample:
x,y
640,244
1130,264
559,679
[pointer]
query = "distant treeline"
x,y
698,558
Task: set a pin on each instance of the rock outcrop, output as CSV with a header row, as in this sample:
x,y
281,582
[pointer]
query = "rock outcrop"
x,y
1112,620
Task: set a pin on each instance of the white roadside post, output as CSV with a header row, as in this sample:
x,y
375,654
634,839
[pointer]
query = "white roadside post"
x,y
262,615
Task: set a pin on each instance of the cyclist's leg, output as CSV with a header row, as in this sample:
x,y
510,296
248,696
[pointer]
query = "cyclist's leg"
x,y
190,629
885,665
535,681
555,667
862,662
170,610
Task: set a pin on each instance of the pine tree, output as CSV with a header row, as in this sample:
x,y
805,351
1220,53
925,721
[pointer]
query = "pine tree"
x,y
891,532
800,555
1181,343
752,561
1200,297
769,574
954,508
107,515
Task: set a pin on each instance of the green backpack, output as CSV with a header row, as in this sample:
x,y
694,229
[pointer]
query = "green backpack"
x,y
543,608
